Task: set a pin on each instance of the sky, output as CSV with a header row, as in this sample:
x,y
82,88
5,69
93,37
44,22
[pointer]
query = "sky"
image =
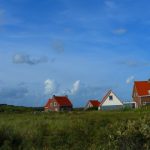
x,y
79,48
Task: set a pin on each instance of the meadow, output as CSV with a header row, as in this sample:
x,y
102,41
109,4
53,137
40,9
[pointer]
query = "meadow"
x,y
77,130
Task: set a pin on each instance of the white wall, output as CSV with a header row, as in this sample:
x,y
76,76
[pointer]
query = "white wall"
x,y
114,101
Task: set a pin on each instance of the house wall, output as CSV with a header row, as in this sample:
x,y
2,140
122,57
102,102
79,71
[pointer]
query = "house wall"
x,y
114,102
51,106
66,108
136,98
145,99
112,107
88,105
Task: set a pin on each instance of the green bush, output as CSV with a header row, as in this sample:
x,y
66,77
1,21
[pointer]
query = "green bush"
x,y
92,108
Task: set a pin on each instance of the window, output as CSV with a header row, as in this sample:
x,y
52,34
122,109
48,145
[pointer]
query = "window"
x,y
110,98
55,104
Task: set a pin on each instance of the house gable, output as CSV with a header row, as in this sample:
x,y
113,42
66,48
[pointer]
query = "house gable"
x,y
111,100
53,103
89,104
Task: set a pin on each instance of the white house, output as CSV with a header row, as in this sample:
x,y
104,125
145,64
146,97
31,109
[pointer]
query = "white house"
x,y
110,102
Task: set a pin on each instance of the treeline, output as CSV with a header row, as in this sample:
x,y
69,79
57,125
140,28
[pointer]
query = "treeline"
x,y
12,108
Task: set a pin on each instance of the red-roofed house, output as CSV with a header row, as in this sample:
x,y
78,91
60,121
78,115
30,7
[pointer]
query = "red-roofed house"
x,y
92,104
141,93
110,101
58,103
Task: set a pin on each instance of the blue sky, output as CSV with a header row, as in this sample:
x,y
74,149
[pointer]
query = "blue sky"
x,y
72,47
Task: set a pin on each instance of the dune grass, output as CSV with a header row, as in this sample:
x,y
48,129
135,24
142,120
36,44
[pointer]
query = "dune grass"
x,y
75,130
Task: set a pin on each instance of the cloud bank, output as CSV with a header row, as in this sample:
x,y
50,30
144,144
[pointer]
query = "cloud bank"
x,y
26,59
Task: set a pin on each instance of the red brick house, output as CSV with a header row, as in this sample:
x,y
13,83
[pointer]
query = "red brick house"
x,y
58,103
141,93
92,104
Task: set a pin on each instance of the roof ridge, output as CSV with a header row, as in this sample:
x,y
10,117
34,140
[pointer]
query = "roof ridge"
x,y
60,96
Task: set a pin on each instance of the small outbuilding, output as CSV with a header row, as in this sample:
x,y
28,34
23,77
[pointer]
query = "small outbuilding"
x,y
129,104
58,103
92,104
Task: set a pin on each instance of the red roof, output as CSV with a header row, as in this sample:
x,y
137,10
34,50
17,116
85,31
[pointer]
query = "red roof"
x,y
62,100
142,87
95,103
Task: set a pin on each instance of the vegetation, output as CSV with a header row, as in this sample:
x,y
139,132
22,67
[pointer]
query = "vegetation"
x,y
19,109
92,108
77,130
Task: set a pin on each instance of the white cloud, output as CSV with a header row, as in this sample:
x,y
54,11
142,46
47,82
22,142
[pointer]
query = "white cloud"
x,y
51,87
75,87
26,59
130,79
119,31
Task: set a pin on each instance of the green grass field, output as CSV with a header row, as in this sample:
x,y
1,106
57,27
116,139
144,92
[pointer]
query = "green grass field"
x,y
78,130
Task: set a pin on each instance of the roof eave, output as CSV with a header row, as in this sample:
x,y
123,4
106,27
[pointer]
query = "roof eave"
x,y
144,96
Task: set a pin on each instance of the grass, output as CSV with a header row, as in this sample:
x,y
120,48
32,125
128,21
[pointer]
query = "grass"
x,y
78,130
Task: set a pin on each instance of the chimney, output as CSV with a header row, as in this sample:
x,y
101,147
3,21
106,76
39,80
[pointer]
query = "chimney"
x,y
66,96
149,80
